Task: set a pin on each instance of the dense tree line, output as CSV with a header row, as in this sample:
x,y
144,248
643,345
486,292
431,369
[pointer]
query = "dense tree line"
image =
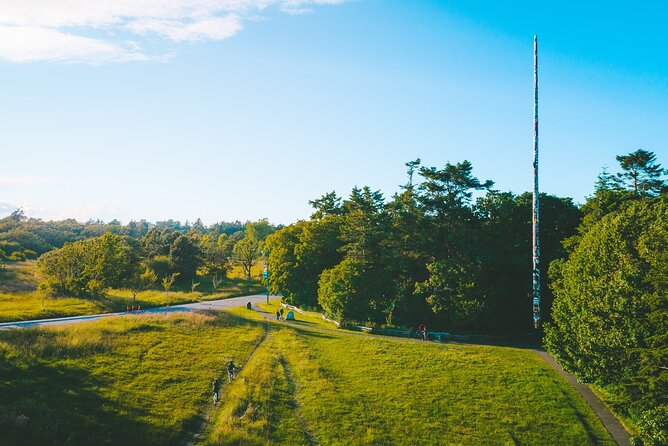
x,y
77,259
24,238
430,254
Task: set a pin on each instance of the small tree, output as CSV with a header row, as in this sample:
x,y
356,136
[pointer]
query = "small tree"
x,y
141,281
246,254
168,281
193,285
216,281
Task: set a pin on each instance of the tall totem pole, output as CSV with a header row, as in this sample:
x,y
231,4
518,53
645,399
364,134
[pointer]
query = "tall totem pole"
x,y
535,281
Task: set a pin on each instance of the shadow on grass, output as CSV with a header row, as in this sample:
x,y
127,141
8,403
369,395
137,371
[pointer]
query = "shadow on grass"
x,y
44,404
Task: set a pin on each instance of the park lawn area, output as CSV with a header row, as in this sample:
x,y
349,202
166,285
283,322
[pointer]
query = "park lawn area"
x,y
132,380
31,305
307,387
308,318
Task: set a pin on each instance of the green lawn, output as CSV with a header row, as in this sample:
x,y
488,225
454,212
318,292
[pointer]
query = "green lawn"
x,y
305,387
137,380
146,380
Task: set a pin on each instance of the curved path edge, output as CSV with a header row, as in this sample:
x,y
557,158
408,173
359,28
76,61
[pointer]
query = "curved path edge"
x,y
610,422
219,304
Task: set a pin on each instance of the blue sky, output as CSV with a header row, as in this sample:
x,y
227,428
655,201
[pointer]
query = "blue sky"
x,y
247,109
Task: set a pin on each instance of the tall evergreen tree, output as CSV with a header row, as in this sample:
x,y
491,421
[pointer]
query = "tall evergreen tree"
x,y
641,174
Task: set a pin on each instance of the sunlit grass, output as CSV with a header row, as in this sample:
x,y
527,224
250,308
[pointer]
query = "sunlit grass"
x,y
146,379
331,389
18,277
135,380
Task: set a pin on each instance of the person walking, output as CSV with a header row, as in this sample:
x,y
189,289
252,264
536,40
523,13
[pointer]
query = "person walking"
x,y
278,315
230,370
281,311
216,390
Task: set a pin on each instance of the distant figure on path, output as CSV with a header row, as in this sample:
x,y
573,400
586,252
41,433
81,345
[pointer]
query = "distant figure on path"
x,y
281,312
278,315
216,389
230,370
422,328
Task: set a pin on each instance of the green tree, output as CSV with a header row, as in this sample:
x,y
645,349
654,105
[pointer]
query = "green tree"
x,y
328,204
141,279
168,281
247,251
186,256
216,255
364,229
609,314
641,174
297,256
88,267
343,291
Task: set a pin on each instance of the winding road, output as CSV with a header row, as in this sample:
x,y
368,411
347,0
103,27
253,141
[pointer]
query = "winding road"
x,y
220,304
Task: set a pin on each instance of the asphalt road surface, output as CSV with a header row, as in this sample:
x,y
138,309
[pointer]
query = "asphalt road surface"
x,y
220,304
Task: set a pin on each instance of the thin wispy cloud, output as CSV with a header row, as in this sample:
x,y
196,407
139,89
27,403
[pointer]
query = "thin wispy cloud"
x,y
107,31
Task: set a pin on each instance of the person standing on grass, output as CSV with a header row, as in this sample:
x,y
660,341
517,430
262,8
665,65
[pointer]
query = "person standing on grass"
x,y
230,370
216,390
281,312
422,328
278,315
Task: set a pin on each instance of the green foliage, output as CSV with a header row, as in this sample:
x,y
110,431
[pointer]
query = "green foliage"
x,y
297,256
89,267
160,265
168,281
640,174
343,292
185,256
610,324
429,255
247,251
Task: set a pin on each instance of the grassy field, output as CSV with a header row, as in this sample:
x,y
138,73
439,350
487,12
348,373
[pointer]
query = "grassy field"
x,y
146,379
20,301
304,387
137,380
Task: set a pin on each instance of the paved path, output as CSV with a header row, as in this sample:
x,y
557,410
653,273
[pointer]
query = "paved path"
x,y
610,422
220,304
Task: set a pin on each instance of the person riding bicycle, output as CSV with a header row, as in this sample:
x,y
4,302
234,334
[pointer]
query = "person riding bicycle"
x,y
216,390
230,370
